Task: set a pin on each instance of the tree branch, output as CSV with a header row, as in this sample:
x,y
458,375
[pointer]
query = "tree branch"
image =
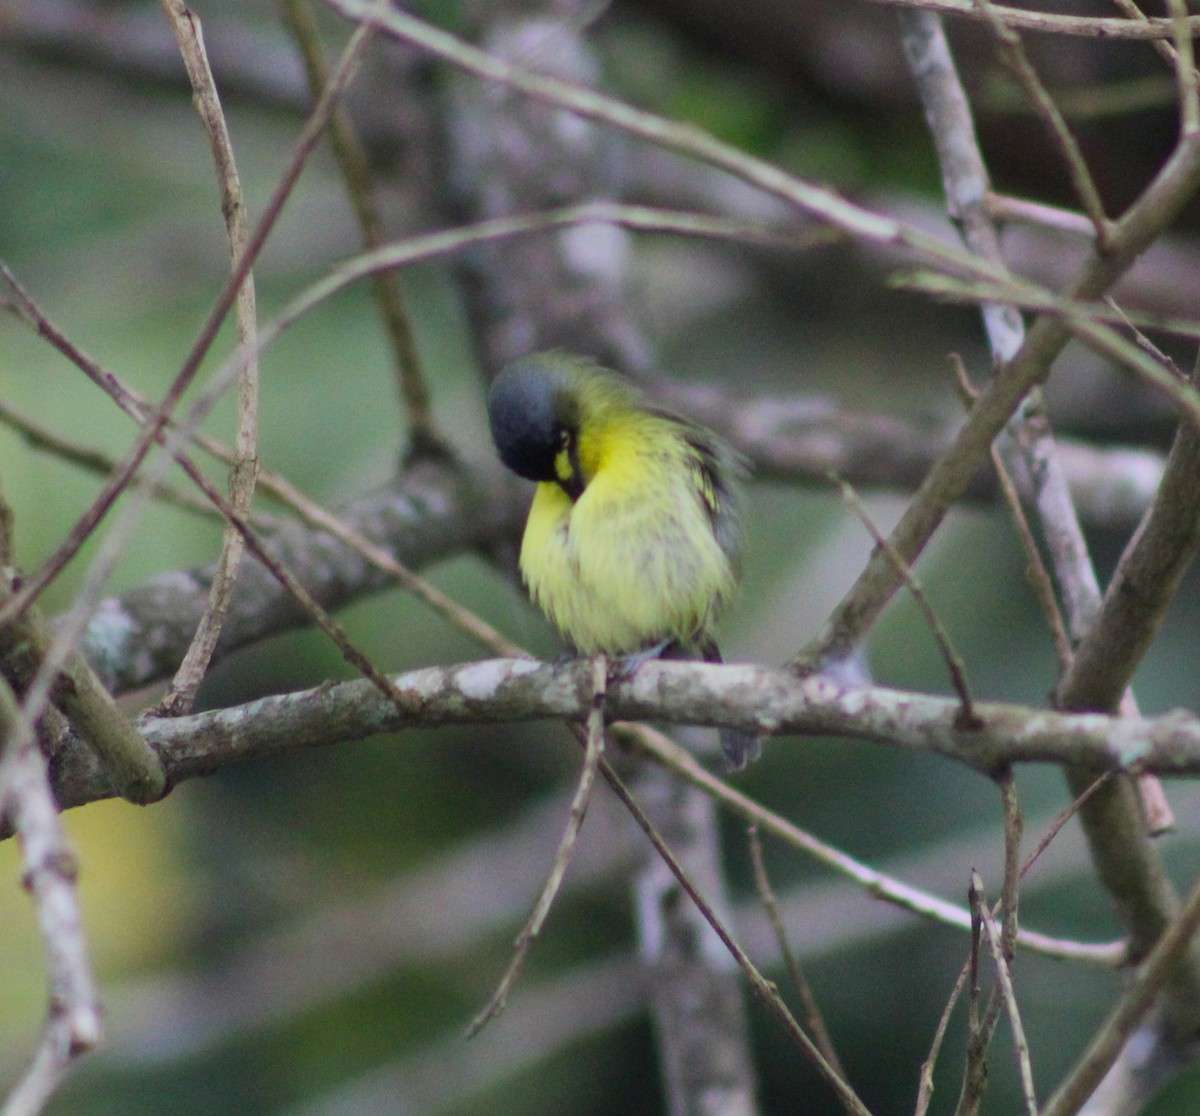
x,y
431,512
737,695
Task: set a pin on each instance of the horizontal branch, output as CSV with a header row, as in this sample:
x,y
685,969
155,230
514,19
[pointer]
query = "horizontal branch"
x,y
434,510
1051,23
806,437
736,695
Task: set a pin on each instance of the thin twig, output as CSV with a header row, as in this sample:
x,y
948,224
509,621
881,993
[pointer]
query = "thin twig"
x,y
1143,221
432,246
386,285
383,559
1166,51
1012,829
1014,825
982,1029
186,27
788,436
130,764
808,1002
1142,340
156,426
877,884
292,584
128,400
504,690
1030,441
823,205
274,484
767,993
45,440
1185,69
1005,207
1004,981
36,583
1013,54
1084,324
1035,567
72,625
1029,296
974,1080
954,664
925,1088
1064,816
1024,19
501,690
592,757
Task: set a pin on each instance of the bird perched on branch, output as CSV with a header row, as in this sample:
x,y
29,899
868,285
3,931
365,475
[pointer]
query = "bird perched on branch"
x,y
632,543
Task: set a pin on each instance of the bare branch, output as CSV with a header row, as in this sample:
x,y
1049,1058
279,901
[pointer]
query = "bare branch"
x,y
766,992
741,695
73,1024
954,663
1024,19
925,1088
821,204
806,437
1004,981
593,751
1107,1044
132,766
388,290
813,1018
1013,53
157,423
1149,574
92,460
1143,586
186,26
948,479
1029,443
979,1030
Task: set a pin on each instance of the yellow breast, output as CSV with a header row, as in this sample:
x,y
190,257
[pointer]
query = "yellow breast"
x,y
634,560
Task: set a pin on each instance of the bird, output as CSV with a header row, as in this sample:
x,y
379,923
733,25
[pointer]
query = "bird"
x,y
633,542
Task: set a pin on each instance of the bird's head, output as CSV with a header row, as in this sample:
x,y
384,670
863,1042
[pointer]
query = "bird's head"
x,y
533,407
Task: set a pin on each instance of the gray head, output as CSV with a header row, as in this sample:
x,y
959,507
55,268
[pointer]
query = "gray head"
x,y
533,414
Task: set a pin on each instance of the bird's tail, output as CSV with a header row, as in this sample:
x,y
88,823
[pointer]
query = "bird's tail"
x,y
738,746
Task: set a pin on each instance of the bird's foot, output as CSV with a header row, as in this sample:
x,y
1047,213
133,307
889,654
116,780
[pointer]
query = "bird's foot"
x,y
624,665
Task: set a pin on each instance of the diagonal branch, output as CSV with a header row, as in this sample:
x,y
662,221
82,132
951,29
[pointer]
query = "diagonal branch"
x,y
1028,367
157,422
1108,1042
1142,588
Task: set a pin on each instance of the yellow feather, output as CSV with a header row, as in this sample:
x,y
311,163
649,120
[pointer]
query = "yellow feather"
x,y
634,560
